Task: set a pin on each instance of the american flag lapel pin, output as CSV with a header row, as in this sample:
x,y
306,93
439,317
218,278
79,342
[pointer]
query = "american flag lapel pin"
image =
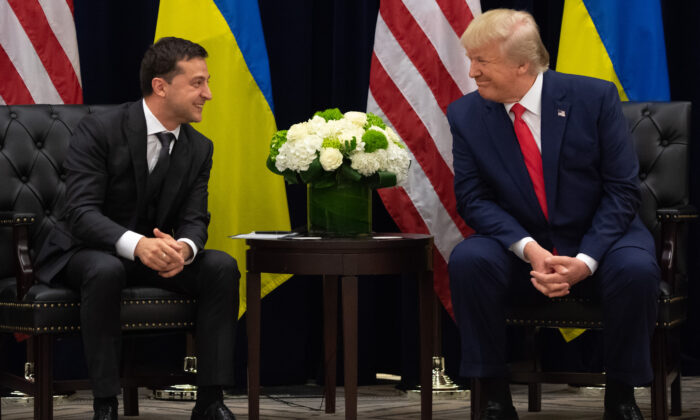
x,y
561,113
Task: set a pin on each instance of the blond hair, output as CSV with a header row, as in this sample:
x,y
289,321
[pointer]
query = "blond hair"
x,y
515,31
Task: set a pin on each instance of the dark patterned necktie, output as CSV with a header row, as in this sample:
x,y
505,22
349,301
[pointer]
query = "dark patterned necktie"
x,y
157,176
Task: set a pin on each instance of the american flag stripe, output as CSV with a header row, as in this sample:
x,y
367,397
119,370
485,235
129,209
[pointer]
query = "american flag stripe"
x,y
442,36
411,128
459,13
418,68
40,47
12,88
57,14
421,52
396,69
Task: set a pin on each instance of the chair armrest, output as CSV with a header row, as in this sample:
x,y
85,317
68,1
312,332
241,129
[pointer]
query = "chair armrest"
x,y
670,219
24,271
684,213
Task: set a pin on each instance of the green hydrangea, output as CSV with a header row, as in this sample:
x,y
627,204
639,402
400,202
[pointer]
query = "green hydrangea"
x,y
374,140
330,114
278,139
331,142
374,120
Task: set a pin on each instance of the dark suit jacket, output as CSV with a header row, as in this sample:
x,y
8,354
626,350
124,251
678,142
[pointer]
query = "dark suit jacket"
x,y
106,172
590,170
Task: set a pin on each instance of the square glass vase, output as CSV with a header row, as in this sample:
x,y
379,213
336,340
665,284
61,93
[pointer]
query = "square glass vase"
x,y
342,210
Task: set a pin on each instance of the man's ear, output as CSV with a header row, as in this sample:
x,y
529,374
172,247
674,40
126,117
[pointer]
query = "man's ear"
x,y
158,85
524,68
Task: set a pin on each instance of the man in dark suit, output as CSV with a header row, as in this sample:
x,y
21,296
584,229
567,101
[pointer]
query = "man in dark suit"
x,y
546,175
136,212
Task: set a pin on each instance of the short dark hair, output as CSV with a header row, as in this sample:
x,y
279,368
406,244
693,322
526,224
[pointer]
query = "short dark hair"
x,y
160,60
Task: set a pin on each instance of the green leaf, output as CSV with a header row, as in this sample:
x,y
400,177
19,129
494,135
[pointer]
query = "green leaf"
x,y
346,172
383,179
271,166
314,172
291,177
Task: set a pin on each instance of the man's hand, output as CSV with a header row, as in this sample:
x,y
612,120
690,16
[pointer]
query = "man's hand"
x,y
162,253
565,271
539,258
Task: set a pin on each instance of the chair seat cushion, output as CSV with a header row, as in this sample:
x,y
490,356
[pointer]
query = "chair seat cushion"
x,y
56,309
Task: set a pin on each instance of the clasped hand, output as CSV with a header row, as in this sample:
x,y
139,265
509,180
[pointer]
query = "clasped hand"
x,y
162,253
553,275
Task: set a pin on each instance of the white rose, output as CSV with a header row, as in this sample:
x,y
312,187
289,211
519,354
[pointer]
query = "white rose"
x,y
298,131
330,158
357,118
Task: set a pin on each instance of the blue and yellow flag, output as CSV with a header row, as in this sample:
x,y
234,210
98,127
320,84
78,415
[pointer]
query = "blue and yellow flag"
x,y
622,42
619,42
243,195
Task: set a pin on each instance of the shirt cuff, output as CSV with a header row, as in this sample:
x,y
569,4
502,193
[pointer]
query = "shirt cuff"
x,y
193,247
590,262
518,248
126,244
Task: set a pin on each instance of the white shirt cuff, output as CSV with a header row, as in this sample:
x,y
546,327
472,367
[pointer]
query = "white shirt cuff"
x,y
518,248
193,247
590,262
126,245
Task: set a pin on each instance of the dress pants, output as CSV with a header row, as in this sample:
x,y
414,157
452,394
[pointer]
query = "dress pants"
x,y
485,277
212,278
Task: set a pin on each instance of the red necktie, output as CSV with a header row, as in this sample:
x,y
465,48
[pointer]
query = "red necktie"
x,y
531,155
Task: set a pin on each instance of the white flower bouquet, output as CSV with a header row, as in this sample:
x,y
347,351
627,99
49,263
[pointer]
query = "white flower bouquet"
x,y
333,148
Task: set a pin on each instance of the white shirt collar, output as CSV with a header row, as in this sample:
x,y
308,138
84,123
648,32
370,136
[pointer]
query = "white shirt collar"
x,y
532,100
154,126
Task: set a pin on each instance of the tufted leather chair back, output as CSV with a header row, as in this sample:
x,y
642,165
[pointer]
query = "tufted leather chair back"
x,y
661,133
33,144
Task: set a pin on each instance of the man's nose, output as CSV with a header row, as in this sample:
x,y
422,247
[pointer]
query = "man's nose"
x,y
473,70
206,92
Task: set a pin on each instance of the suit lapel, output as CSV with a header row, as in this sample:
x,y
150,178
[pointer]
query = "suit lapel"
x,y
179,162
503,138
135,129
555,114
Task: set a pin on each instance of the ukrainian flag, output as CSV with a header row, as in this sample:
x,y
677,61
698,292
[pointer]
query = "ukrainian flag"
x,y
243,195
619,41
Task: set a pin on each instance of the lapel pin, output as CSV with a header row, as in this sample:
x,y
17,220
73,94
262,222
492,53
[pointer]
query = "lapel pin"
x,y
561,113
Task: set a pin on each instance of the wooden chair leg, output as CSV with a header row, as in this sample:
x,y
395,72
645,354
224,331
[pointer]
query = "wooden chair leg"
x,y
475,398
130,392
659,398
676,407
42,355
534,389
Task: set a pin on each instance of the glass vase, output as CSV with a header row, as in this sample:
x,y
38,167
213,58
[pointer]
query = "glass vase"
x,y
344,209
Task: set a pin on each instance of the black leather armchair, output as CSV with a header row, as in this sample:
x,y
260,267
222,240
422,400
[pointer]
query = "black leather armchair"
x,y
661,133
33,144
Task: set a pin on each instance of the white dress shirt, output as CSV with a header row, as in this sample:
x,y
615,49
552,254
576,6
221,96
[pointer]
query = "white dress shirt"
x,y
532,102
126,244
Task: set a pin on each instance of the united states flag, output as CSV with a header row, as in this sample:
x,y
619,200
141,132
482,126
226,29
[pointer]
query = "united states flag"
x,y
38,53
418,69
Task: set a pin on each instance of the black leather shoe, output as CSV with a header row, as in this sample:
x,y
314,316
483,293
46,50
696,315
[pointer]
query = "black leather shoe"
x,y
216,411
623,411
498,411
105,412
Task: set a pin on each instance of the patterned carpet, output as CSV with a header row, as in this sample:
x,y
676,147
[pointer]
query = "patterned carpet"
x,y
375,402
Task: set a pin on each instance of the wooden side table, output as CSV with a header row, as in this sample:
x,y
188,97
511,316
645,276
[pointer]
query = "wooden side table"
x,y
344,259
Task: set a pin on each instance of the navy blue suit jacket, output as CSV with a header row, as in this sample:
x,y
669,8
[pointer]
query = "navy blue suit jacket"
x,y
590,170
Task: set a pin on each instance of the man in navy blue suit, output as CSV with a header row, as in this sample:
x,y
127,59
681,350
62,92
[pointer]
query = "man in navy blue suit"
x,y
546,175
